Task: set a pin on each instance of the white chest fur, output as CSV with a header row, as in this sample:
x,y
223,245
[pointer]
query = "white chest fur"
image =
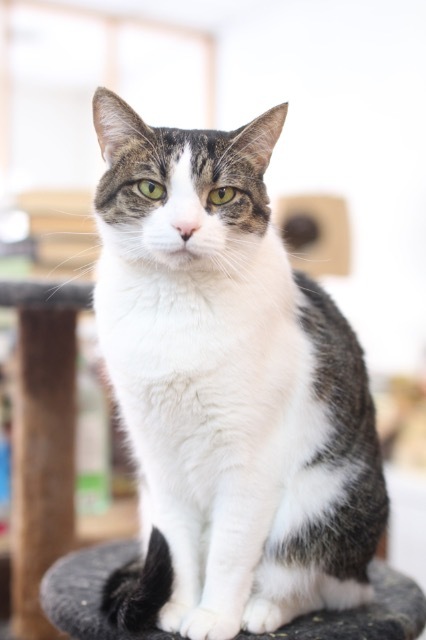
x,y
201,363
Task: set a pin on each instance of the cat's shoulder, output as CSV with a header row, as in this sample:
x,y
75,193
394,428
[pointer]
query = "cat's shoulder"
x,y
314,301
313,294
321,318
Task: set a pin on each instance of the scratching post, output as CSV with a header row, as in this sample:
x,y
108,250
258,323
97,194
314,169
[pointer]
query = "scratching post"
x,y
43,448
43,481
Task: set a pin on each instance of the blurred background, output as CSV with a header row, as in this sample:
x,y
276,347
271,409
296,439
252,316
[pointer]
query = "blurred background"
x,y
352,72
347,179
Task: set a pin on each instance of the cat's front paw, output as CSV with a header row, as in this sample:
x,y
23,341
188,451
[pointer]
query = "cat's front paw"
x,y
262,616
171,616
202,624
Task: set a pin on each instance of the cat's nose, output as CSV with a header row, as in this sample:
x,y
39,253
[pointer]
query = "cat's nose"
x,y
186,229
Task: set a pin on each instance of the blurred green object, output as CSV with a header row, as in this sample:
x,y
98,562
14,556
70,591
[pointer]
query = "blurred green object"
x,y
15,266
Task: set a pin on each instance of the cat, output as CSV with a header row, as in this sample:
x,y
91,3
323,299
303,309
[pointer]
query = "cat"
x,y
242,389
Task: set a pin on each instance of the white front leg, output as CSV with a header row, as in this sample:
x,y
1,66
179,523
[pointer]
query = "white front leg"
x,y
241,521
181,527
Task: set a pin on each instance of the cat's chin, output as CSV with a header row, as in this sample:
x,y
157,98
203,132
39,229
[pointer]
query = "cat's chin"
x,y
180,260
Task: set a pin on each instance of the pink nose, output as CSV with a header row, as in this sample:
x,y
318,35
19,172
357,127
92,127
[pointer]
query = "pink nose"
x,y
186,229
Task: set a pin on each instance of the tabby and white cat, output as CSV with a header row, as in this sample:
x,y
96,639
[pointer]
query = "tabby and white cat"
x,y
242,389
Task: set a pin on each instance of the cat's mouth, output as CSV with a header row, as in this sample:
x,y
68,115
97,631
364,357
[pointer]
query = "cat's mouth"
x,y
188,250
181,257
184,253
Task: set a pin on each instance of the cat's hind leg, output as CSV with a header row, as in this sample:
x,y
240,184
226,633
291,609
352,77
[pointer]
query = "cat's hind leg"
x,y
280,595
344,594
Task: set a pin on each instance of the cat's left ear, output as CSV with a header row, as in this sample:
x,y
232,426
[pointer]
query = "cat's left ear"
x,y
115,122
258,138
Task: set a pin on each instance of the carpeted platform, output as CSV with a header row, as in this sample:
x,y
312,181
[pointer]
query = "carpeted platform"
x,y
72,588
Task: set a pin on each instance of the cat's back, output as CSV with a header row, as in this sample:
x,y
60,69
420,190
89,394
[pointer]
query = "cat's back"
x,y
339,379
336,345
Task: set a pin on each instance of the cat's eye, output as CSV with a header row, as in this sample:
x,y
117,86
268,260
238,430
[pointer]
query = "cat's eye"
x,y
223,195
151,189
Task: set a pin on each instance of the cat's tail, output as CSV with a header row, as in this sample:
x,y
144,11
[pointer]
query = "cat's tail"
x,y
134,594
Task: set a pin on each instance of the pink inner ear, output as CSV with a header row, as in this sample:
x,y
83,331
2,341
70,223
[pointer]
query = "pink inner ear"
x,y
115,122
258,139
107,151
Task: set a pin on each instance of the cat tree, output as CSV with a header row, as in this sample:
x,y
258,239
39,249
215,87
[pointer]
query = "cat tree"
x,y
43,439
71,595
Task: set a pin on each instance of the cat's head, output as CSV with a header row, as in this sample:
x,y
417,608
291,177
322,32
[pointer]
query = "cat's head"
x,y
186,199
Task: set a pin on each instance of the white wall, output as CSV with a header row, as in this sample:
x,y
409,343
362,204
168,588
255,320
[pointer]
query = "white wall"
x,y
53,143
354,75
407,526
54,146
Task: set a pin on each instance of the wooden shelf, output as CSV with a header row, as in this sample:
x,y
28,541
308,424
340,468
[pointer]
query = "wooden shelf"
x,y
120,520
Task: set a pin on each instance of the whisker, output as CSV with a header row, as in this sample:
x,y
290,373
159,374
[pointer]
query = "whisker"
x,y
69,233
87,215
309,290
241,241
238,264
220,266
54,290
302,256
88,266
76,255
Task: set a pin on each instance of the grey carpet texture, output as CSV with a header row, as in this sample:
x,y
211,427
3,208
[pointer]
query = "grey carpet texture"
x,y
71,594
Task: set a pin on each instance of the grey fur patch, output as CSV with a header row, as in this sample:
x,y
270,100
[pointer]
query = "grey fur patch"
x,y
343,542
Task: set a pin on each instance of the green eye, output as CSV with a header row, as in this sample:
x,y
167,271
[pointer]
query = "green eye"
x,y
151,189
223,195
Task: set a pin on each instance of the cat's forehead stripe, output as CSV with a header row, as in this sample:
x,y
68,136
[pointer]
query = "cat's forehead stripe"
x,y
180,179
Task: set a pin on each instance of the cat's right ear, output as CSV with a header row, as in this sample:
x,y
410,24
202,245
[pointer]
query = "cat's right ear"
x,y
115,122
